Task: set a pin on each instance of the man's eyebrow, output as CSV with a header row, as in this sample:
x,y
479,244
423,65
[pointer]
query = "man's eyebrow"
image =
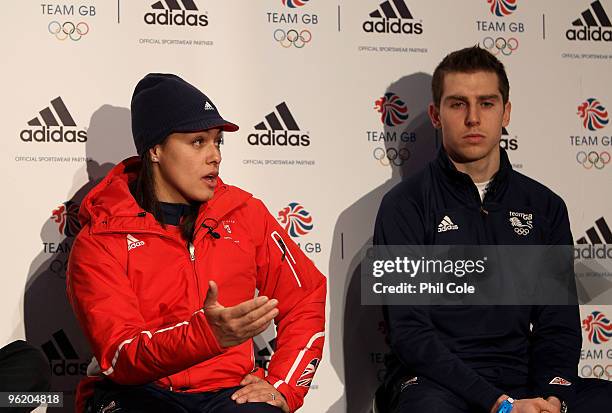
x,y
465,99
489,97
456,97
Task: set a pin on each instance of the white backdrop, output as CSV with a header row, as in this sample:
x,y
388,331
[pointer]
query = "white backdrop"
x,y
329,72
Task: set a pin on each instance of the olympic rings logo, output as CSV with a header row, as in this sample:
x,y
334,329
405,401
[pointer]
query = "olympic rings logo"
x,y
522,231
391,156
292,37
500,45
598,371
593,159
68,30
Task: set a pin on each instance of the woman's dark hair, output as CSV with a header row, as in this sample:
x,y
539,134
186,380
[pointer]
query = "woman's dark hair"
x,y
144,193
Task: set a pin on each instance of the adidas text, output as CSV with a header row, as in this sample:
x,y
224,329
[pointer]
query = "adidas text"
x,y
45,134
135,245
169,18
587,34
280,138
62,368
392,26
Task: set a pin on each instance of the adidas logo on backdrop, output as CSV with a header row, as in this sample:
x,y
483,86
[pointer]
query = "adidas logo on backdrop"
x,y
170,13
589,26
66,363
392,16
56,125
594,237
447,225
277,133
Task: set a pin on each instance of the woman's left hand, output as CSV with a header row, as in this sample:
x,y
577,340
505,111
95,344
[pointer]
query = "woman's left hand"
x,y
258,390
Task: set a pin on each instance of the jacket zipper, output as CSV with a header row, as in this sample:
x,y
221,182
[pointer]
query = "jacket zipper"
x,y
483,211
191,250
192,258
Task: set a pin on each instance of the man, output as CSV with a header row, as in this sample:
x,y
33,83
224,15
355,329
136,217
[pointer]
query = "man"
x,y
472,359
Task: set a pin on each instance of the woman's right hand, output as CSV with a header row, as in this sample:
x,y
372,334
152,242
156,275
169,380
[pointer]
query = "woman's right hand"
x,y
235,325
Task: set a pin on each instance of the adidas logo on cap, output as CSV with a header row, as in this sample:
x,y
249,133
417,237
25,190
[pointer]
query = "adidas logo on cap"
x,y
277,132
208,106
391,17
132,242
170,13
447,225
591,22
56,126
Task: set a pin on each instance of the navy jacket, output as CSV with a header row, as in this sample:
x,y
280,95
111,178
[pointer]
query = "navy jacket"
x,y
475,350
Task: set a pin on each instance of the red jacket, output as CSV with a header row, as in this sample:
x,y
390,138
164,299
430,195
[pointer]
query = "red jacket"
x,y
138,291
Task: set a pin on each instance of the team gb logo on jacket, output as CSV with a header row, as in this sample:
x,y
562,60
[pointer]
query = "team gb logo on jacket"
x,y
522,223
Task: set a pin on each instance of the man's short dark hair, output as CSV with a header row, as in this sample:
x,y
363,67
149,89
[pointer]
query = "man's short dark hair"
x,y
469,60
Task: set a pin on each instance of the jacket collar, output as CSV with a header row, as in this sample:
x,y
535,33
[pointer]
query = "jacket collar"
x,y
110,206
495,188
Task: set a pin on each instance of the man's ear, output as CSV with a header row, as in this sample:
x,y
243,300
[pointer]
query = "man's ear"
x,y
434,115
506,115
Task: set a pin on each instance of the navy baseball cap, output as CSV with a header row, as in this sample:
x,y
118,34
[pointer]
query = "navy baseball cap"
x,y
164,103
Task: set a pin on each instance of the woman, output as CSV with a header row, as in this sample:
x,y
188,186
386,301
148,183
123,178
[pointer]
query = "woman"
x,y
174,272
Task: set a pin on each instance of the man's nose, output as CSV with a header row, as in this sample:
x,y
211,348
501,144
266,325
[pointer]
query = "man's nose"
x,y
473,116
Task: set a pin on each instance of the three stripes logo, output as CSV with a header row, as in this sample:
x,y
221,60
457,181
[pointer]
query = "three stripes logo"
x,y
275,133
594,236
133,242
65,363
392,16
447,225
55,124
176,13
590,25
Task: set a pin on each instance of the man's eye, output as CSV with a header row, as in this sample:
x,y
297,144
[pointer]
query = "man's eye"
x,y
457,105
487,104
198,142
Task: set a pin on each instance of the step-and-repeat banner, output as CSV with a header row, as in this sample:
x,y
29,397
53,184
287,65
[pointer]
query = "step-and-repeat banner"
x,y
331,99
